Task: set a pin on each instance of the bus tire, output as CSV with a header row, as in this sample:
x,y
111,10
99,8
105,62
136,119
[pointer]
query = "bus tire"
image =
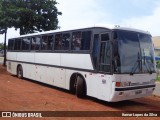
x,y
73,80
80,87
19,72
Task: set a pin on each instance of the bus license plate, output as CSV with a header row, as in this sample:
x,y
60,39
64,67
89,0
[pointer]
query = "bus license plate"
x,y
138,92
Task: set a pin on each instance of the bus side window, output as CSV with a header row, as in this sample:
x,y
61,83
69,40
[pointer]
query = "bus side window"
x,y
65,41
26,43
33,42
86,40
81,40
58,42
36,42
11,44
44,45
76,41
50,42
17,45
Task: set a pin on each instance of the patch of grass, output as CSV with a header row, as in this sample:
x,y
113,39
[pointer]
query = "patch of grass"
x,y
158,78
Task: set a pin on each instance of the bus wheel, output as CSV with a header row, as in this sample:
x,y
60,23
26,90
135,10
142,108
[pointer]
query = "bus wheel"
x,y
80,87
20,72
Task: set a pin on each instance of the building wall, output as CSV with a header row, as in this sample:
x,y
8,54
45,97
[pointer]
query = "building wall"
x,y
156,42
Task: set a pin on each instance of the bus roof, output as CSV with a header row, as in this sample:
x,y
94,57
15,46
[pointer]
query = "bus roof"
x,y
105,27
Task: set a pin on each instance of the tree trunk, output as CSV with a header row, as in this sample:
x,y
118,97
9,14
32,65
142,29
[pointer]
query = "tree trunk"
x,y
5,37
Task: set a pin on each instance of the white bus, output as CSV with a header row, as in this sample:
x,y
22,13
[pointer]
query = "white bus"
x,y
110,64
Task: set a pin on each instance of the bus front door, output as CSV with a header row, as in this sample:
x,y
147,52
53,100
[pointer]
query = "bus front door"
x,y
105,54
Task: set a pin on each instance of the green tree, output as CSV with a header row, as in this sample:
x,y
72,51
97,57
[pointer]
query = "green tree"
x,y
158,64
28,15
1,46
36,15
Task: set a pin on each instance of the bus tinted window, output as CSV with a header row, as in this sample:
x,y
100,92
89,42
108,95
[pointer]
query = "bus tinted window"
x,y
50,42
76,41
81,40
11,44
65,41
26,43
104,37
17,45
47,42
44,42
86,39
36,42
58,42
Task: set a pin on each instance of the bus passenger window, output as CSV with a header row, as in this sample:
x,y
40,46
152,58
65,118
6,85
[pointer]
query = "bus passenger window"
x,y
36,42
11,44
58,42
47,42
76,41
44,42
33,42
65,41
26,43
50,42
86,39
17,45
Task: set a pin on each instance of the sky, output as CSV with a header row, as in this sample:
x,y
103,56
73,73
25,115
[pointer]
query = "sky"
x,y
140,14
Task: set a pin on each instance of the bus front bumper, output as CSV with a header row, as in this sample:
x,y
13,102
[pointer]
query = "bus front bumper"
x,y
126,93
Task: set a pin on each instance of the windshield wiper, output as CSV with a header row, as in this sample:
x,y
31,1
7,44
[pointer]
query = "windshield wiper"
x,y
136,64
146,64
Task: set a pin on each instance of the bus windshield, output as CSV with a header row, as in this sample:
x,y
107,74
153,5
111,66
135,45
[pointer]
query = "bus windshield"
x,y
133,52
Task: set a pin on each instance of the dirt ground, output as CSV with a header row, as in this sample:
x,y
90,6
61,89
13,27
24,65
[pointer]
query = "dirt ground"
x,y
26,95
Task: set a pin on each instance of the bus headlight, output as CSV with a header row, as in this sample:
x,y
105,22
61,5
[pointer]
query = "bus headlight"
x,y
122,84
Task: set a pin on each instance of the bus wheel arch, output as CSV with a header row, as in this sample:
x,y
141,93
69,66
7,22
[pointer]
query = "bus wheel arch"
x,y
78,85
19,71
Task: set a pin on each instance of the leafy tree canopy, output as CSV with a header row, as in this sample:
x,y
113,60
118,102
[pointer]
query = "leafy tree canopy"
x,y
1,46
29,15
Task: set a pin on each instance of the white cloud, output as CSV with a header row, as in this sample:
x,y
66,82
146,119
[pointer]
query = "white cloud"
x,y
148,23
10,33
81,13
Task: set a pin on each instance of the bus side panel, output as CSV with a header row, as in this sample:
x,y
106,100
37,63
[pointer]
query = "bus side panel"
x,y
92,84
12,66
48,58
81,61
25,57
99,86
50,72
11,56
29,71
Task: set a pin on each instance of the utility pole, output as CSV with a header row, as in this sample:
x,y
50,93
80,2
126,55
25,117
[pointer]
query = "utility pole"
x,y
5,37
